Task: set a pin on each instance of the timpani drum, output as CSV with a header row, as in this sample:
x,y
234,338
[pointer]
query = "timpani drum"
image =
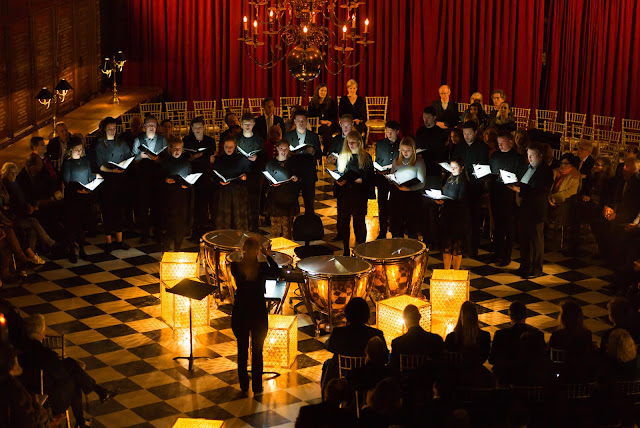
x,y
399,265
218,244
332,281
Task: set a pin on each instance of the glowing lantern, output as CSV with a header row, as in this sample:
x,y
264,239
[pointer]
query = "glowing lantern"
x,y
389,315
449,289
197,423
281,344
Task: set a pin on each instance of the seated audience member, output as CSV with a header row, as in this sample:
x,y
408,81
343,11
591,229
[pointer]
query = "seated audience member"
x,y
351,339
232,207
630,152
566,182
44,178
476,97
454,218
76,173
375,367
622,315
387,151
503,120
328,413
268,120
63,380
467,337
585,160
282,198
533,189
20,212
455,138
498,97
476,107
416,341
57,146
135,129
506,349
355,105
384,407
233,128
10,245
446,110
177,195
589,203
522,141
621,361
19,408
305,157
548,156
166,128
325,109
490,138
408,165
532,367
201,151
575,340
621,207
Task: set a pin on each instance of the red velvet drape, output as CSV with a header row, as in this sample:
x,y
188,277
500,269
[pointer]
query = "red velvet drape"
x,y
190,48
593,58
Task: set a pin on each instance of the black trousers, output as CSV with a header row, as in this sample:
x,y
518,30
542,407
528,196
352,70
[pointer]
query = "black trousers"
x,y
352,205
406,208
503,211
69,392
531,244
114,202
384,191
475,211
243,326
254,188
203,207
148,204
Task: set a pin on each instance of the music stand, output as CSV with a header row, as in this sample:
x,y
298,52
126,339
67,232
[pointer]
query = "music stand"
x,y
195,290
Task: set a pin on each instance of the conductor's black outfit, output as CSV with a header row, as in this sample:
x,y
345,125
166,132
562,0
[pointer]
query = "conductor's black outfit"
x,y
250,317
386,152
177,200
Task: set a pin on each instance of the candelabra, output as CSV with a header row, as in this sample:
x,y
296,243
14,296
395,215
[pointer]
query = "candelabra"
x,y
110,67
45,97
299,30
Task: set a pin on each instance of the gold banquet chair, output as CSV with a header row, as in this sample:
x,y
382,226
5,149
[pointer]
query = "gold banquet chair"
x,y
462,107
376,115
174,108
286,102
521,115
153,109
604,123
631,126
544,116
255,106
201,106
234,105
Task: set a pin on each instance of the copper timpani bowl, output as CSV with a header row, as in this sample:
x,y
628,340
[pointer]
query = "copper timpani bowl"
x,y
217,244
399,265
332,281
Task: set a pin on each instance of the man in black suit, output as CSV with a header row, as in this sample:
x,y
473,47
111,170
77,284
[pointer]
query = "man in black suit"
x,y
332,152
416,341
58,145
305,157
446,110
503,199
387,151
585,148
533,189
498,96
328,413
506,349
351,339
63,380
268,119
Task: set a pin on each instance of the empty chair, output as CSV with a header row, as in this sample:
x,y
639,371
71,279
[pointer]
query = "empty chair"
x,y
174,108
286,102
544,116
376,114
462,107
234,105
255,106
147,109
608,143
521,115
631,126
604,123
201,106
126,119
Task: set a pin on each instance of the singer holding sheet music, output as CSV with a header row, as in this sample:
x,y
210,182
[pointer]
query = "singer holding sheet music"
x,y
178,196
405,199
454,217
387,150
282,199
113,202
76,171
232,201
251,146
354,188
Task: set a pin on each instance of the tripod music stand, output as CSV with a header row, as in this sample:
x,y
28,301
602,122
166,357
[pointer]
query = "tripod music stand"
x,y
195,290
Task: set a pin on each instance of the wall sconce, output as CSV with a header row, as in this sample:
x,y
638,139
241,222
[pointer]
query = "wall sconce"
x,y
197,423
281,344
109,68
45,97
449,289
389,315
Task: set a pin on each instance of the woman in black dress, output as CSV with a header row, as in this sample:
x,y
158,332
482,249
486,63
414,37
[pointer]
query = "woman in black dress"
x,y
324,108
178,212
355,105
250,316
76,171
111,148
232,210
454,216
354,188
405,200
282,199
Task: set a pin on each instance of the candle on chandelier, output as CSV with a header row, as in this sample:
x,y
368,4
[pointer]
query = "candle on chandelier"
x,y
255,26
353,21
344,33
366,25
304,33
244,20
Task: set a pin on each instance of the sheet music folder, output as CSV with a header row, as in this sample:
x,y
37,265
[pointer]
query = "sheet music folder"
x,y
196,290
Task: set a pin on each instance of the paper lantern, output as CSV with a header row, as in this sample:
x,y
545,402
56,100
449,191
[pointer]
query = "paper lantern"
x,y
389,315
286,246
197,423
281,345
449,289
179,266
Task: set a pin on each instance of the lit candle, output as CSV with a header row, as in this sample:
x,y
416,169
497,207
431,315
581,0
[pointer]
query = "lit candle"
x,y
245,23
353,21
255,26
271,14
304,31
344,33
366,25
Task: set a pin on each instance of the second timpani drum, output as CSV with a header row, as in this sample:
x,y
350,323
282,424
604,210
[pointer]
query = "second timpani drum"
x,y
399,264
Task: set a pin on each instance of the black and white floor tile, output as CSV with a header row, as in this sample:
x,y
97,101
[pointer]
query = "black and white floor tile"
x,y
109,311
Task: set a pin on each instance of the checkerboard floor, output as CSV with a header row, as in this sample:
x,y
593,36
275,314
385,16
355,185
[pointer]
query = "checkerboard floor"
x,y
109,311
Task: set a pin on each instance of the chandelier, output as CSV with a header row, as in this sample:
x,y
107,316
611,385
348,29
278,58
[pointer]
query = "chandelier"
x,y
299,30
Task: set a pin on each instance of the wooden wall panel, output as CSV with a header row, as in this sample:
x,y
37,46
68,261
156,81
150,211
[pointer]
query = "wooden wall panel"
x,y
22,117
5,103
44,61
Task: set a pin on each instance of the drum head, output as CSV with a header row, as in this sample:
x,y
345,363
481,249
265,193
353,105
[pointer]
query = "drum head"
x,y
230,239
333,265
389,249
281,259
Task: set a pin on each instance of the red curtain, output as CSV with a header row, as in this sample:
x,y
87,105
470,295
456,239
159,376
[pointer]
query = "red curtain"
x,y
191,49
593,58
